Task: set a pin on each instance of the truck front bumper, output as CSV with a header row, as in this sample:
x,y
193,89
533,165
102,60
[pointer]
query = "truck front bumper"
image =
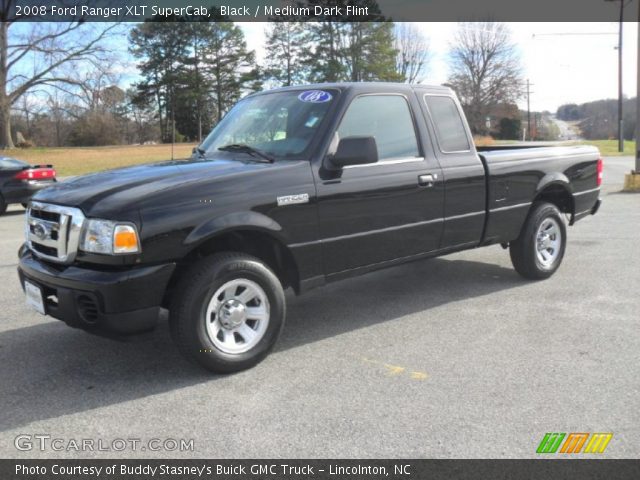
x,y
109,302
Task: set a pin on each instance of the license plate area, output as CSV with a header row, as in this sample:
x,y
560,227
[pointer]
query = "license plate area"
x,y
34,297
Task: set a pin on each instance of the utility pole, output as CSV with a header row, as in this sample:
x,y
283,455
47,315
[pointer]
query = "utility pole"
x,y
529,92
637,170
632,179
620,118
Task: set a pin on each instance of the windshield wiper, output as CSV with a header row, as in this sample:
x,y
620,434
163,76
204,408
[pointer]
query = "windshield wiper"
x,y
240,147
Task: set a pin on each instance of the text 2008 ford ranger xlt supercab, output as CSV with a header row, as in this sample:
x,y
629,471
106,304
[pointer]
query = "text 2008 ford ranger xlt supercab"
x,y
295,187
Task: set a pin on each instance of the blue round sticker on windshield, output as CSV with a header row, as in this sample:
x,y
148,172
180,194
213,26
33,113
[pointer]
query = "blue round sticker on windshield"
x,y
315,96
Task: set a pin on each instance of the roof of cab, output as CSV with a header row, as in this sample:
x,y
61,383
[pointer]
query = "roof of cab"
x,y
364,87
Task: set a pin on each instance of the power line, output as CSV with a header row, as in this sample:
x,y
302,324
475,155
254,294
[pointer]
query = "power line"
x,y
563,34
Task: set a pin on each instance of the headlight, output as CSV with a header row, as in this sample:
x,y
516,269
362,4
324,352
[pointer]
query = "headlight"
x,y
109,238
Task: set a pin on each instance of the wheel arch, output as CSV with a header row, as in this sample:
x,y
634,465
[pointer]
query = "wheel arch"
x,y
261,238
556,189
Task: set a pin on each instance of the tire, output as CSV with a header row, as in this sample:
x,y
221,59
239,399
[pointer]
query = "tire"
x,y
235,292
25,205
538,252
3,205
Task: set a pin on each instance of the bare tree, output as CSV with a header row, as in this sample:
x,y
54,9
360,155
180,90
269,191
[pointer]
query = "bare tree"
x,y
28,108
58,113
485,70
36,54
142,113
413,52
92,86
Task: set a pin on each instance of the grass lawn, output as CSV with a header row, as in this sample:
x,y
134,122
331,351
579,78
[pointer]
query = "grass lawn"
x,y
81,160
609,148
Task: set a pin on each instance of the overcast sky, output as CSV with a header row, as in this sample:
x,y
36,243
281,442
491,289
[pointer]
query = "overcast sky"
x,y
563,68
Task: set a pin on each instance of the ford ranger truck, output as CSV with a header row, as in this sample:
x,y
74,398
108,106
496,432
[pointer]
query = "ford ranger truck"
x,y
295,187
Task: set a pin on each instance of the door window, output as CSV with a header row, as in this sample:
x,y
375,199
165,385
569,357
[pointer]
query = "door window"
x,y
388,119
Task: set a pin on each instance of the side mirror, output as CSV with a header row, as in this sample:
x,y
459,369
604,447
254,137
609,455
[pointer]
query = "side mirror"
x,y
355,151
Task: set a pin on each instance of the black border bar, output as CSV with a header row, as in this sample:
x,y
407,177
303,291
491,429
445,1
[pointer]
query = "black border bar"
x,y
283,469
264,10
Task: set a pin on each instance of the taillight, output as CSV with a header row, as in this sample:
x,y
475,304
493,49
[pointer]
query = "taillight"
x,y
36,174
599,169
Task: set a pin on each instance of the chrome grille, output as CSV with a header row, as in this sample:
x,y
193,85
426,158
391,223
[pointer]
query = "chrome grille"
x,y
53,231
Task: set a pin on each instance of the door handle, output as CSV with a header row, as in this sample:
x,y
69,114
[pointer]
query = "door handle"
x,y
427,180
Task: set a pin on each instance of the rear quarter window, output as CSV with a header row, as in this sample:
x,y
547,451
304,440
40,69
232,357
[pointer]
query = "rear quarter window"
x,y
7,163
450,131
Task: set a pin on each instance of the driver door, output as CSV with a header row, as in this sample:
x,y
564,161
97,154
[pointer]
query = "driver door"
x,y
376,213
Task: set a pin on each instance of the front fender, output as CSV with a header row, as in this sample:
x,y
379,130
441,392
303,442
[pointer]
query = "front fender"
x,y
247,220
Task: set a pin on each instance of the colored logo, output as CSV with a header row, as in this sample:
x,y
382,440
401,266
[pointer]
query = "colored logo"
x,y
315,96
573,443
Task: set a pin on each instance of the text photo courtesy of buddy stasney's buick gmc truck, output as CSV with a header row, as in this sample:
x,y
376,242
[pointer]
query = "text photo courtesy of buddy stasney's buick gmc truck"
x,y
295,187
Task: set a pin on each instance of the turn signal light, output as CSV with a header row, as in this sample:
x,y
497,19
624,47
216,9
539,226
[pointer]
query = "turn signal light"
x,y
125,239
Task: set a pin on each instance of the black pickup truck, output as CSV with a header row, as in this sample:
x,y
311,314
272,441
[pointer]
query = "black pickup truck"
x,y
295,187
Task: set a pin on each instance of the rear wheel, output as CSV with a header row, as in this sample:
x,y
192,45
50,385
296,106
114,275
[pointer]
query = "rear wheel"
x,y
538,251
3,205
227,312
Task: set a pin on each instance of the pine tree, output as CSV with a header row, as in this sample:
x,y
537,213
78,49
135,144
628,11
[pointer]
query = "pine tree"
x,y
229,65
354,50
162,48
193,69
285,46
370,52
323,57
196,82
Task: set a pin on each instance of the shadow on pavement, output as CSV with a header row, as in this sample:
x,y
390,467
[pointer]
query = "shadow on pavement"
x,y
13,213
50,370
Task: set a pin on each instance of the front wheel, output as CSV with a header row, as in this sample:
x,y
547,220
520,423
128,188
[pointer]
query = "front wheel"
x,y
227,312
538,251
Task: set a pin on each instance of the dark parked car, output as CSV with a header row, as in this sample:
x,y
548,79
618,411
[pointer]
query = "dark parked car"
x,y
295,187
19,181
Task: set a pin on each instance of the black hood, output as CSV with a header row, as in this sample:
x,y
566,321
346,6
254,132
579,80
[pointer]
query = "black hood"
x,y
123,188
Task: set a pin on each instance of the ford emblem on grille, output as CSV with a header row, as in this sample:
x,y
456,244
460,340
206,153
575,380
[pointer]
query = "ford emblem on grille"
x,y
41,231
53,231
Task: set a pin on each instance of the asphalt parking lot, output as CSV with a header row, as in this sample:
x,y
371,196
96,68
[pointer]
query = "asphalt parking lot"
x,y
450,357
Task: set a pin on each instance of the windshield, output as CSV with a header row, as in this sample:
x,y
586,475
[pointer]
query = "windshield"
x,y
281,124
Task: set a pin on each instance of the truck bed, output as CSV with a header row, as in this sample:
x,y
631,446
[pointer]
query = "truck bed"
x,y
517,173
